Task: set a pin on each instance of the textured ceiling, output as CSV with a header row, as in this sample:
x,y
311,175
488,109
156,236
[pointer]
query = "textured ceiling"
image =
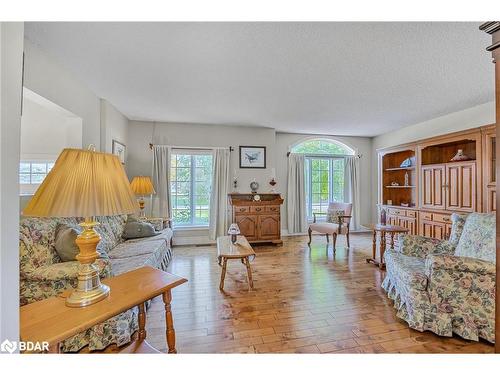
x,y
330,78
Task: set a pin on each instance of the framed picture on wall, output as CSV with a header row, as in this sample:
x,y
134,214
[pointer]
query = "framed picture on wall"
x,y
252,157
119,150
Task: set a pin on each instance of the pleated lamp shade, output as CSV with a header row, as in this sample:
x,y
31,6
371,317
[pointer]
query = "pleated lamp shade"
x,y
142,185
83,183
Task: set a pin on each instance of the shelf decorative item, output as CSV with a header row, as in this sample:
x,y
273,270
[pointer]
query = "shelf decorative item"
x,y
383,217
254,185
407,179
460,156
235,182
273,182
394,183
406,163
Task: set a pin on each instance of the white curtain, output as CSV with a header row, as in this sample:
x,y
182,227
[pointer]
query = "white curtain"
x,y
218,197
161,203
296,194
351,188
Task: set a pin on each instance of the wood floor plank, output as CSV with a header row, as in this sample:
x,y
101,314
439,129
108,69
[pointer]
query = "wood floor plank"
x,y
305,300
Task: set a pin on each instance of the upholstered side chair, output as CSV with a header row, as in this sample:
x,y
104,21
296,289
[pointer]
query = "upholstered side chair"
x,y
337,221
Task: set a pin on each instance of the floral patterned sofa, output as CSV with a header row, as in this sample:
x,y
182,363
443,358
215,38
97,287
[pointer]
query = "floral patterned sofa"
x,y
42,274
447,286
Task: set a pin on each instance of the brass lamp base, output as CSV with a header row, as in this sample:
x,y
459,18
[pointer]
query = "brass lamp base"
x,y
89,289
141,207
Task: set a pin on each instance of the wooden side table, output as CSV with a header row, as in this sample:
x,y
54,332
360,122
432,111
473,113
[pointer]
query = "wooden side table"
x,y
50,320
383,230
239,250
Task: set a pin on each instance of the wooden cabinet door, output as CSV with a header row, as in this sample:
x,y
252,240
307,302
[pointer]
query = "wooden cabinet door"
x,y
426,229
461,186
411,225
439,231
408,223
269,227
448,231
248,226
491,200
433,180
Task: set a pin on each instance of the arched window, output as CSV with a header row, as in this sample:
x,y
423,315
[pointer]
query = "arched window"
x,y
322,146
324,168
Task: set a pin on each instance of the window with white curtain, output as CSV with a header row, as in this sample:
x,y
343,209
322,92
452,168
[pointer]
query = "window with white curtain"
x,y
324,183
190,187
324,169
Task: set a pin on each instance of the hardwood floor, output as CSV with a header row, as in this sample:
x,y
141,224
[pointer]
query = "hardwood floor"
x,y
306,300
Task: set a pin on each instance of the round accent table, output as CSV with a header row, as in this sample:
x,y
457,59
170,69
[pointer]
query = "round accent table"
x,y
383,230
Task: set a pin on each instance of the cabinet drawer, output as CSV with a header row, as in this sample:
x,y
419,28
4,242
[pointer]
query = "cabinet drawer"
x,y
272,209
241,209
442,218
425,215
396,212
411,213
257,209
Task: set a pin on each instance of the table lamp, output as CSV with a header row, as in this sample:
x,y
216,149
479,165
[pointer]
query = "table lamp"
x,y
141,186
233,231
84,183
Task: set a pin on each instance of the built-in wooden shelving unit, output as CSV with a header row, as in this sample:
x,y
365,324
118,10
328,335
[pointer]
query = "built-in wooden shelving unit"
x,y
392,171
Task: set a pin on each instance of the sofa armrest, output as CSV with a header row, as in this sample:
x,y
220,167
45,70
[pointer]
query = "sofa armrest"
x,y
420,246
65,271
458,264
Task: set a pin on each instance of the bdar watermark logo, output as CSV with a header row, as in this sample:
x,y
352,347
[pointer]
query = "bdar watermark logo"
x,y
8,346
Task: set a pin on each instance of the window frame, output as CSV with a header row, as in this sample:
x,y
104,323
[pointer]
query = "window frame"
x,y
309,182
192,153
332,157
30,188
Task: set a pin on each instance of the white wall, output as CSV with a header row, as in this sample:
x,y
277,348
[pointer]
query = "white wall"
x,y
47,130
361,145
114,125
139,156
51,81
469,118
11,55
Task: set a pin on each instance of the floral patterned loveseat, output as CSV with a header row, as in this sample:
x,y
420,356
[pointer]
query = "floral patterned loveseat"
x,y
447,286
43,274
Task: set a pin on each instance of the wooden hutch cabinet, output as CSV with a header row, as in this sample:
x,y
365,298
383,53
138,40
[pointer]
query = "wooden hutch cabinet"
x,y
422,196
446,184
259,221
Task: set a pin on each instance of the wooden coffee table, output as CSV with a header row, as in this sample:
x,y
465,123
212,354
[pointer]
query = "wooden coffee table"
x,y
383,230
239,250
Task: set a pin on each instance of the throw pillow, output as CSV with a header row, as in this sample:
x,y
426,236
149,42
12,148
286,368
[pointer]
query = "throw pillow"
x,y
457,226
136,229
478,237
333,216
65,244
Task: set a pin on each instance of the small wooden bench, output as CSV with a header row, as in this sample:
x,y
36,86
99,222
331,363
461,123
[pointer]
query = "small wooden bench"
x,y
241,249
